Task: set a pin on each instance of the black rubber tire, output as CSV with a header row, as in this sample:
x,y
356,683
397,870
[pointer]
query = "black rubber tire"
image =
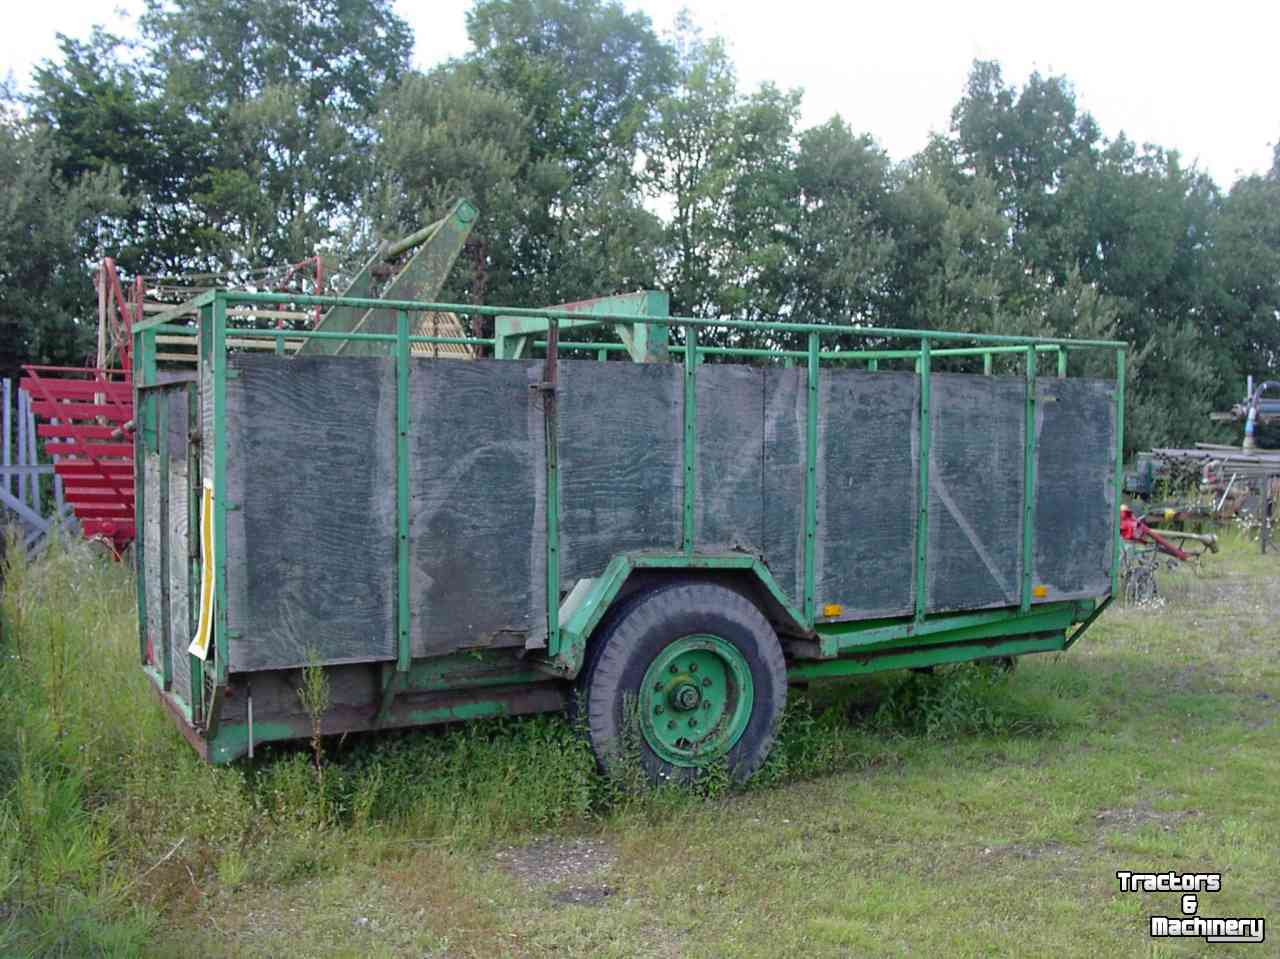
x,y
651,621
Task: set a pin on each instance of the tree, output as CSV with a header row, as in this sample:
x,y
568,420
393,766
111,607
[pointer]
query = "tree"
x,y
46,228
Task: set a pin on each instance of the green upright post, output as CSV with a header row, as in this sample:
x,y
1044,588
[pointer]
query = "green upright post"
x,y
986,364
402,491
923,365
1119,473
1029,480
551,432
811,480
690,434
873,364
218,359
1062,362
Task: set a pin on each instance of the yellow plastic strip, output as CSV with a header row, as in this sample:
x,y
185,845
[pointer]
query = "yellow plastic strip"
x,y
208,570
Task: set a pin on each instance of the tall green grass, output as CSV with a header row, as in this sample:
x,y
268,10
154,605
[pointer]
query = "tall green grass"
x,y
109,822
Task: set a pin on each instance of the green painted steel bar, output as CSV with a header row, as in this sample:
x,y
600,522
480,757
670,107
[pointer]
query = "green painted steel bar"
x,y
402,492
922,512
193,562
1062,363
802,671
986,363
551,429
631,319
1118,480
811,480
1028,483
218,359
873,364
139,500
690,436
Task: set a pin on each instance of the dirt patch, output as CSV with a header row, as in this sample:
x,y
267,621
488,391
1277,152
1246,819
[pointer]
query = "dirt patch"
x,y
1143,814
569,867
1028,851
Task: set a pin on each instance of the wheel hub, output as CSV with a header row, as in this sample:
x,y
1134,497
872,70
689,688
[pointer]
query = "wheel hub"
x,y
706,682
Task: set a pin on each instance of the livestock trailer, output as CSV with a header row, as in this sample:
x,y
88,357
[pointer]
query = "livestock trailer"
x,y
673,528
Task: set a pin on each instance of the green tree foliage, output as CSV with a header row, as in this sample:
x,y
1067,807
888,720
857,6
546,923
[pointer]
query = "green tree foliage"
x,y
46,226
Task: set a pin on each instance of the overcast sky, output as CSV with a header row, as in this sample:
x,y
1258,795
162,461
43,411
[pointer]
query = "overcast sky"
x,y
1202,79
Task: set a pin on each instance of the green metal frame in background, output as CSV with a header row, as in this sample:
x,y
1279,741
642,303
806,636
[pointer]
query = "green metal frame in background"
x,y
517,332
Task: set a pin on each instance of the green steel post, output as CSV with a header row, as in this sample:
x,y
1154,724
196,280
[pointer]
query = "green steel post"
x,y
402,490
1062,362
986,364
690,435
1029,481
602,354
872,365
811,480
551,428
1119,475
279,345
139,496
218,358
193,563
922,515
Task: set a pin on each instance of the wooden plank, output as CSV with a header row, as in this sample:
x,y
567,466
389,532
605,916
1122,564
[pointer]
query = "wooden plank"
x,y
51,409
116,392
97,450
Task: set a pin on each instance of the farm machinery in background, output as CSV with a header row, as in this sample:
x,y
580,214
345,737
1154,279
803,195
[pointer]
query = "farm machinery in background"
x,y
85,415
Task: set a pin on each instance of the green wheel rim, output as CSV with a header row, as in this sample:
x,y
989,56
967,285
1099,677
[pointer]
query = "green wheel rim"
x,y
695,700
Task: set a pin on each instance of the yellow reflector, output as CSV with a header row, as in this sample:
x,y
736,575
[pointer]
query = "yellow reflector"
x,y
832,609
1039,592
1169,514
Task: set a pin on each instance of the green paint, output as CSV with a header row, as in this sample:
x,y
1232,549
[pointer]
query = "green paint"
x,y
402,491
811,479
1118,480
1029,482
695,700
548,313
923,369
578,622
1062,362
551,432
218,360
986,363
139,498
916,658
631,316
690,437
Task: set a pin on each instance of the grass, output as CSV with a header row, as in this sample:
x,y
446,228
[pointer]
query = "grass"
x,y
961,813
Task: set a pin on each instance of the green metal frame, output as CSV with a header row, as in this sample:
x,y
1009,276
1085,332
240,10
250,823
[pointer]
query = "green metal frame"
x,y
820,645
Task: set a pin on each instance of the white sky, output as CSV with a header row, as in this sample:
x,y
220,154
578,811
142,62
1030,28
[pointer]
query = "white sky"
x,y
1200,79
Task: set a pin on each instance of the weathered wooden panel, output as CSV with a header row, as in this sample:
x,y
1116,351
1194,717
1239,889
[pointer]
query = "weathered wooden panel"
x,y
477,512
311,568
976,455
784,468
179,571
729,499
621,466
152,554
867,480
1075,487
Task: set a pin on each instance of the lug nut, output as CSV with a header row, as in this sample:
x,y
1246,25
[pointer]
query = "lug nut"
x,y
706,680
706,704
693,722
657,687
657,709
671,724
693,667
675,668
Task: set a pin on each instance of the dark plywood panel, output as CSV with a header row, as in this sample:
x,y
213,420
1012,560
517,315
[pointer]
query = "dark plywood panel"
x,y
476,509
620,443
1075,487
729,500
867,479
311,510
976,457
784,466
179,571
